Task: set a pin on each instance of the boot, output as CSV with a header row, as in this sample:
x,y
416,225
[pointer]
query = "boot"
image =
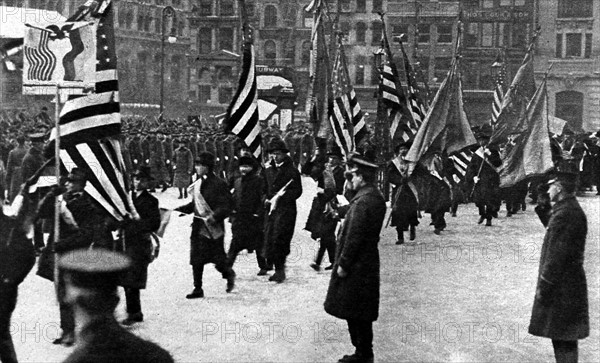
x,y
196,294
400,238
413,233
133,318
278,276
315,266
230,281
481,219
488,223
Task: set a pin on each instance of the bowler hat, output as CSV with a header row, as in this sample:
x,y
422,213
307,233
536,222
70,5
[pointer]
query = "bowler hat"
x,y
277,144
246,160
205,158
94,268
143,173
364,160
77,175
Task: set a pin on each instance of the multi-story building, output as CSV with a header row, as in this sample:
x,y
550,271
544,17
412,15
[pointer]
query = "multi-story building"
x,y
570,42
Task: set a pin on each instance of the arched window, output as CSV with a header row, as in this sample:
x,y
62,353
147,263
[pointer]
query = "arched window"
x,y
270,16
361,31
270,51
569,107
305,53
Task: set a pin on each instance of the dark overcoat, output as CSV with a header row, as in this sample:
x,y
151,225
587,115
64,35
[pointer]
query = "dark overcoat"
x,y
560,308
184,166
138,243
405,206
487,190
104,340
14,178
205,250
32,162
356,296
247,219
280,224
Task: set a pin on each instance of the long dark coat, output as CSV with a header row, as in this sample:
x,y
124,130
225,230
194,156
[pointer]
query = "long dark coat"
x,y
13,171
247,219
32,162
405,207
205,250
487,190
184,166
280,224
356,296
560,308
137,242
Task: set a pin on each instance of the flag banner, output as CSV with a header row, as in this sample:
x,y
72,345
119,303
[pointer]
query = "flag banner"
x,y
516,99
242,115
460,161
417,107
446,127
62,53
498,90
10,48
530,154
345,114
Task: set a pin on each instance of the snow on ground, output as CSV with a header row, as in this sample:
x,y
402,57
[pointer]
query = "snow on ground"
x,y
463,296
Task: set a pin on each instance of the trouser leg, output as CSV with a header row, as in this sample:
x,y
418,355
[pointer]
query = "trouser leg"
x,y
132,297
198,270
321,251
67,319
8,300
565,351
361,335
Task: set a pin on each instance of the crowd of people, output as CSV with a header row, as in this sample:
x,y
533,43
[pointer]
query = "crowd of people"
x,y
258,196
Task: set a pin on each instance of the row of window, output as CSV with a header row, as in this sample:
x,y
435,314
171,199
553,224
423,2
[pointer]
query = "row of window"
x,y
149,22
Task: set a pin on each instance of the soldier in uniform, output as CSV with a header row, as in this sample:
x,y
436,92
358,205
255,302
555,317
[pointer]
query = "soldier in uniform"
x,y
211,204
32,162
82,224
560,308
13,168
353,293
138,244
91,290
283,188
135,151
167,145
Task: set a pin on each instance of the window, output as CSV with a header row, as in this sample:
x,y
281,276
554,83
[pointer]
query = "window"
x,y
225,94
305,59
377,6
398,30
345,28
588,46
471,34
503,34
575,9
487,34
442,66
444,33
226,7
488,4
519,35
423,31
361,6
573,48
505,2
206,7
204,40
270,52
270,16
344,6
224,73
157,23
129,19
290,50
376,31
559,45
359,73
569,107
148,23
226,38
423,65
519,2
573,45
361,30
203,93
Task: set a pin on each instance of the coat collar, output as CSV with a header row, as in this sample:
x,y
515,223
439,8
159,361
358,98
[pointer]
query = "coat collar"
x,y
367,189
565,203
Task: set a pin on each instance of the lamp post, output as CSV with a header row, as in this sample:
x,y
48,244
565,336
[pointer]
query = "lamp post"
x,y
167,11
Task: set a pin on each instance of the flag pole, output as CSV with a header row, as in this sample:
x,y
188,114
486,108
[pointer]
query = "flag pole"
x,y
57,162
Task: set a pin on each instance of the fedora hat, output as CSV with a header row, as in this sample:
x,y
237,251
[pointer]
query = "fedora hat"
x,y
277,144
205,158
335,150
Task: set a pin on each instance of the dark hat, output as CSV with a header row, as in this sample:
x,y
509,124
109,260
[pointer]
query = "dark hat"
x,y
365,160
143,172
246,160
335,150
205,158
565,170
277,144
94,268
37,136
403,145
77,175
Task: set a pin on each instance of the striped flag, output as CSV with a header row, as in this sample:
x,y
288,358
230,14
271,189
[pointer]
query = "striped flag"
x,y
498,90
90,124
402,124
345,114
460,161
242,114
41,60
9,49
416,105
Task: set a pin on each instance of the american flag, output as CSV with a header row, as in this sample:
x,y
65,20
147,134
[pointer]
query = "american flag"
x,y
90,124
242,114
498,91
461,161
41,59
402,125
345,115
416,105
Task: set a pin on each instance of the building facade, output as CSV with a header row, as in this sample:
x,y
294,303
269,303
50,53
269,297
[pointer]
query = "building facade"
x,y
570,42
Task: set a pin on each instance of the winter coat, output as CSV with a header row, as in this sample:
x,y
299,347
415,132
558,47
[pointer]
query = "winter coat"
x,y
247,218
280,224
487,190
320,219
560,308
405,207
356,296
32,162
184,166
204,250
13,171
137,243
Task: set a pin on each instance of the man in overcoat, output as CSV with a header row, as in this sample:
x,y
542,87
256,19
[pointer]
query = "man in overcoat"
x,y
32,162
137,244
353,293
560,308
283,188
183,162
211,204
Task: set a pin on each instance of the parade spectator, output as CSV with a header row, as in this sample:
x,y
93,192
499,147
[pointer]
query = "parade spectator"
x,y
283,188
138,244
353,293
211,204
560,307
91,279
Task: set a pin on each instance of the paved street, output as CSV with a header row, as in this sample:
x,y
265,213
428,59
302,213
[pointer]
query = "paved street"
x,y
464,296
